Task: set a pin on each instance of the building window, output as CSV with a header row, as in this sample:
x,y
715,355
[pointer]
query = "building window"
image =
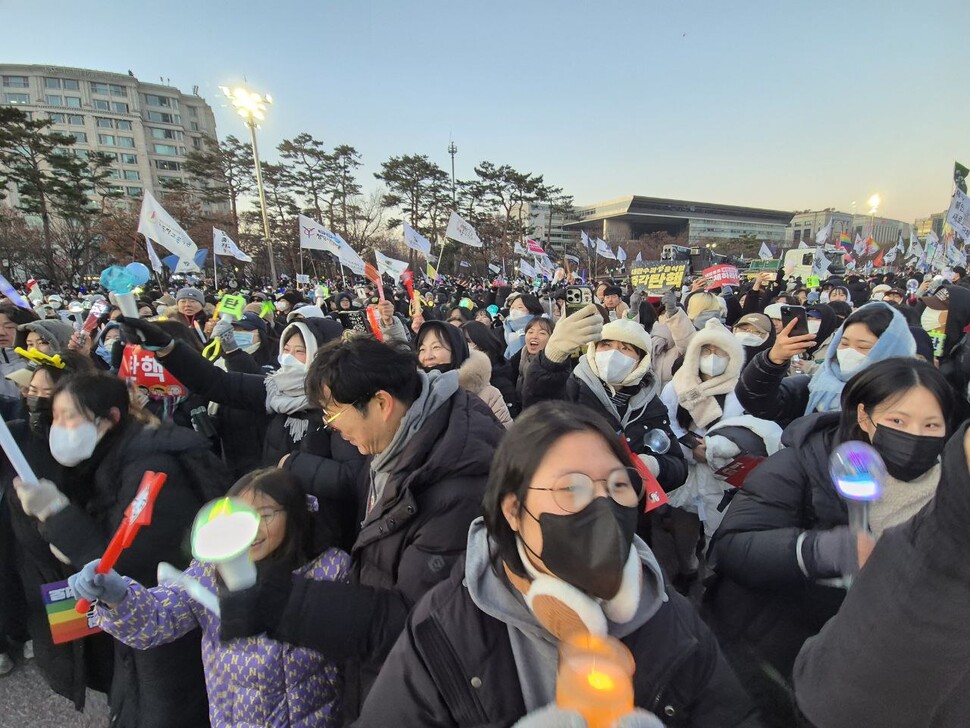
x,y
124,141
114,174
132,174
54,100
106,89
164,118
117,90
71,84
194,125
167,165
80,136
123,125
119,107
75,120
52,83
133,191
166,149
16,98
173,134
57,118
193,111
105,123
197,142
129,158
106,139
100,105
163,101
16,82
72,102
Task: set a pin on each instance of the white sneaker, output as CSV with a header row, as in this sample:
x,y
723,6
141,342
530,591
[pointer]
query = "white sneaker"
x,y
6,664
29,650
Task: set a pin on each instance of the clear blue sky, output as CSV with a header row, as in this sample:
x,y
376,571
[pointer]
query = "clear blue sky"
x,y
790,105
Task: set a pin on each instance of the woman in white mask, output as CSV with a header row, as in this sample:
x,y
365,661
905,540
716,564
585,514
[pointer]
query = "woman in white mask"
x,y
523,307
612,376
105,454
699,396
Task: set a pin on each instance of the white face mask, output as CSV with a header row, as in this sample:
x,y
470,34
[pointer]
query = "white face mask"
x,y
824,297
614,366
929,320
288,361
713,365
516,313
72,446
814,325
746,338
849,359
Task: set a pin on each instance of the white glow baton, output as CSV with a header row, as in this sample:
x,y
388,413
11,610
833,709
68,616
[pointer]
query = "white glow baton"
x,y
15,456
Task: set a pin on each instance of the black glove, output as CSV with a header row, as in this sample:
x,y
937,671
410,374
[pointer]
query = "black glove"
x,y
139,331
829,554
260,608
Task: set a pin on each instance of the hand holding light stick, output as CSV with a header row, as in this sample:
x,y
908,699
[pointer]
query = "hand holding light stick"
x,y
595,678
222,533
858,473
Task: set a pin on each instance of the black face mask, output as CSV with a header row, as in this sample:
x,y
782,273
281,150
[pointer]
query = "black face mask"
x,y
443,368
41,414
907,456
589,549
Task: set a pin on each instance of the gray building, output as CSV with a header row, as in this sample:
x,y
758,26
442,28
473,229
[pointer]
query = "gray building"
x,y
805,225
546,225
628,218
148,128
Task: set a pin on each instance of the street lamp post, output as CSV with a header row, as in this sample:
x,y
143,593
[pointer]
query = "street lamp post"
x,y
453,150
873,209
251,106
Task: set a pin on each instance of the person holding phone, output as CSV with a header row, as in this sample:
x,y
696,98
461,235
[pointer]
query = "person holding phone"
x,y
874,332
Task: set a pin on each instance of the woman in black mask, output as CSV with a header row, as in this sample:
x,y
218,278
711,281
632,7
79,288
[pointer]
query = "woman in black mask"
x,y
784,546
555,553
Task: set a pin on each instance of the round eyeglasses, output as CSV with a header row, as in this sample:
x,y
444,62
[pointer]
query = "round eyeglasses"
x,y
574,491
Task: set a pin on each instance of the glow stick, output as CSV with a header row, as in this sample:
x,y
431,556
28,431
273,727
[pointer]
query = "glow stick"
x,y
16,456
170,575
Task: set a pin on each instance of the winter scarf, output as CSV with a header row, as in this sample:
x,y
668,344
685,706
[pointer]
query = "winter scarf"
x,y
587,373
825,387
697,396
286,388
515,335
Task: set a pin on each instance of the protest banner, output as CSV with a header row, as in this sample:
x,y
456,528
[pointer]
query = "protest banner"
x,y
140,365
658,276
721,275
60,604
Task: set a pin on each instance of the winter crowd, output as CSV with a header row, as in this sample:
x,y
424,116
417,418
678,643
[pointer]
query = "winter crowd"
x,y
449,484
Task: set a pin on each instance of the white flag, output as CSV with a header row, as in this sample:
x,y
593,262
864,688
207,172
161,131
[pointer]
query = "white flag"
x,y
915,250
187,265
585,238
765,252
860,245
222,244
494,268
604,250
639,258
913,242
153,257
525,269
156,224
416,241
390,266
802,245
519,250
621,254
823,234
820,264
890,256
959,213
461,232
544,267
348,256
314,236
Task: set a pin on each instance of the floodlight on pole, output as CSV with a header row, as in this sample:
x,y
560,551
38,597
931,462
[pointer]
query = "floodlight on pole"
x,y
252,106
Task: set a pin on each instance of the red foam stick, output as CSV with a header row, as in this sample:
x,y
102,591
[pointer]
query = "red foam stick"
x,y
372,321
655,495
138,514
374,276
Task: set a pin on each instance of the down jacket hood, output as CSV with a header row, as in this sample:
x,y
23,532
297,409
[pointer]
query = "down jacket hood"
x,y
475,372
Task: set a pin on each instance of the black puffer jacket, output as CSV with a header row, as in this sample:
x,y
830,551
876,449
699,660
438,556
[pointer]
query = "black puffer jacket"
x,y
162,687
765,390
761,596
550,380
68,668
454,667
408,545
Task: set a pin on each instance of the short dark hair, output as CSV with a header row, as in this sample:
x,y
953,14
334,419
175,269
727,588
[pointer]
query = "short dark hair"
x,y
532,304
284,488
19,316
97,394
481,336
75,364
876,318
887,379
540,321
515,463
358,368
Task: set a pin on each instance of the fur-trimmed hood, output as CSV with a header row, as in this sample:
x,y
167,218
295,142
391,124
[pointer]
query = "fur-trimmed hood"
x,y
714,332
475,373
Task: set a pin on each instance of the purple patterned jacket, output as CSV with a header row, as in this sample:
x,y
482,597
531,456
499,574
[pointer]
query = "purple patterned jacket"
x,y
251,682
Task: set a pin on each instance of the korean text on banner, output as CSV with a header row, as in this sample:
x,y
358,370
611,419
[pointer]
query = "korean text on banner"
x,y
721,275
416,241
65,622
148,375
314,236
156,224
658,276
461,232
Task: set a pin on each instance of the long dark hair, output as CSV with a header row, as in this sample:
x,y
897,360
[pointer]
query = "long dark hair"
x,y
885,380
481,336
516,461
297,545
97,394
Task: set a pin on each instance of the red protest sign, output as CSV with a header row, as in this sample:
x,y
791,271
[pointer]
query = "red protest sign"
x,y
653,491
141,366
721,275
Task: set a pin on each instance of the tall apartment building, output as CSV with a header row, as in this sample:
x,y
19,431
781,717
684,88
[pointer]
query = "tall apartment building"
x,y
805,225
148,128
546,225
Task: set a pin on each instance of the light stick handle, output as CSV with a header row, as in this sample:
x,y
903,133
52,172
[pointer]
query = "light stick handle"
x,y
127,304
169,574
16,456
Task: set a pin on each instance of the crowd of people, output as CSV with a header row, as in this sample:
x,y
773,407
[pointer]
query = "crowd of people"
x,y
452,481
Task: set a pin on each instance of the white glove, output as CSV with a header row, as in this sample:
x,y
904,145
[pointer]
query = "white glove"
x,y
573,332
639,719
652,464
223,325
720,451
41,500
551,716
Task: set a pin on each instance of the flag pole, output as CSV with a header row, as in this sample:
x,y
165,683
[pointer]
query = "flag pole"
x,y
215,266
441,253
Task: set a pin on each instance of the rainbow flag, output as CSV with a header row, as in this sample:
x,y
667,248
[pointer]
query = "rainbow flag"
x,y
66,624
845,241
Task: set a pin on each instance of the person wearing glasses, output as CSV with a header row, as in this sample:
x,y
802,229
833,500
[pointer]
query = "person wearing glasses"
x,y
555,554
429,444
297,439
256,681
